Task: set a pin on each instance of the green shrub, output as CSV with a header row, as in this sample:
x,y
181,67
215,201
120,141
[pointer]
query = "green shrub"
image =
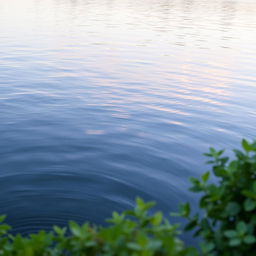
x,y
226,224
132,233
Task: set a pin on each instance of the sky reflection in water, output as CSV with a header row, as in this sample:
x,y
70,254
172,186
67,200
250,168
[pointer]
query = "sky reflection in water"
x,y
101,101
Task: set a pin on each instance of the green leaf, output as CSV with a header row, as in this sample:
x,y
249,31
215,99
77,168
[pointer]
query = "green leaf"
x,y
246,146
184,209
140,203
2,218
90,243
234,242
232,167
127,212
220,152
219,171
249,193
154,245
196,185
205,177
74,228
249,205
4,228
59,231
249,239
143,206
134,246
241,227
116,218
213,152
193,223
230,233
157,219
239,154
207,247
232,209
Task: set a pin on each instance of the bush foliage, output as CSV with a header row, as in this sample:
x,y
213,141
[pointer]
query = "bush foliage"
x,y
131,233
226,223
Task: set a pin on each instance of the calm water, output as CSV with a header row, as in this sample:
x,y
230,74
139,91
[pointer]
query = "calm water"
x,y
103,100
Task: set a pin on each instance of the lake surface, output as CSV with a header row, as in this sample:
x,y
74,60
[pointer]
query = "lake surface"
x,y
101,101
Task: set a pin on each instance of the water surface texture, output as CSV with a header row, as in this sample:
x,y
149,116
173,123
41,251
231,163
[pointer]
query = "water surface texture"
x,y
103,100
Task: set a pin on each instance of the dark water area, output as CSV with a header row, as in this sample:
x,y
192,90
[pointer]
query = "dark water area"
x,y
101,101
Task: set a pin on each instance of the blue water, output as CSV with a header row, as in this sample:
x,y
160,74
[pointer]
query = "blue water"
x,y
101,101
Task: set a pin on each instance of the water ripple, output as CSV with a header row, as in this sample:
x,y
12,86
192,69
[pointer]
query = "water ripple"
x,y
102,101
